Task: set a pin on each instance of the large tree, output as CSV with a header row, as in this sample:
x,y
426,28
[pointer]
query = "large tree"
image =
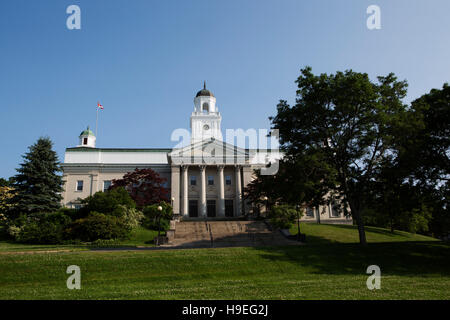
x,y
349,123
145,186
38,185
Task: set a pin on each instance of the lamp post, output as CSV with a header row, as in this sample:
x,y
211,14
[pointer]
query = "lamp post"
x,y
298,221
159,224
267,204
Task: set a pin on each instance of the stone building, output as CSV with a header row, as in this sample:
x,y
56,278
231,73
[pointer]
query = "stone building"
x,y
206,178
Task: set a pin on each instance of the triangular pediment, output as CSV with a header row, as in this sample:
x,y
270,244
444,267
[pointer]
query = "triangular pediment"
x,y
209,151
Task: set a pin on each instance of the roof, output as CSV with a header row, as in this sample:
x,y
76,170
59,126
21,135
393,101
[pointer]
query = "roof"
x,y
204,92
87,149
87,132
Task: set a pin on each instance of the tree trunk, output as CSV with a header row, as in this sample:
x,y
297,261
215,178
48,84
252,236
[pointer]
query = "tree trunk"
x,y
359,221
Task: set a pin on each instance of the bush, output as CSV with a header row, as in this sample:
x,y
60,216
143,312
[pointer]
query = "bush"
x,y
107,202
152,224
132,217
45,229
155,217
283,216
99,226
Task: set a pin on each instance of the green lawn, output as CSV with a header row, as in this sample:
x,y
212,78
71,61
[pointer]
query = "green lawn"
x,y
326,233
329,266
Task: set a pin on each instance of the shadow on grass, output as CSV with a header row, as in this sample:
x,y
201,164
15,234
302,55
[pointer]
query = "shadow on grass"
x,y
384,232
393,258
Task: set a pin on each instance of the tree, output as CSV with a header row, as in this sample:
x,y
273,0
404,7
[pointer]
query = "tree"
x,y
37,184
296,183
157,212
107,202
145,186
347,122
6,194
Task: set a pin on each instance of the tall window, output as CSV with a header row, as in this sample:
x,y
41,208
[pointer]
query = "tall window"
x,y
205,108
193,180
106,185
310,212
84,140
80,185
228,180
210,180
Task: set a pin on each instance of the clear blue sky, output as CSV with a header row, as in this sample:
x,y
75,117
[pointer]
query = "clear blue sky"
x,y
145,60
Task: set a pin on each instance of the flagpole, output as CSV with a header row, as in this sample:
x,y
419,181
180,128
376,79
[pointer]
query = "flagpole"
x,y
96,124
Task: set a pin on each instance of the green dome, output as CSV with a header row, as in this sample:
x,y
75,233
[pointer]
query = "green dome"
x,y
87,132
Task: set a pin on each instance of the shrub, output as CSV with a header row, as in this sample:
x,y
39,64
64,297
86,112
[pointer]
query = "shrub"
x,y
45,229
152,224
155,217
107,202
99,226
132,217
283,216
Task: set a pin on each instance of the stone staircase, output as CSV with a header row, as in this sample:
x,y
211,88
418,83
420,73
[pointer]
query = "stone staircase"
x,y
206,234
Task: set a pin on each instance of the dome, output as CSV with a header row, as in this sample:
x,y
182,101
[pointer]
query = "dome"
x,y
204,92
87,132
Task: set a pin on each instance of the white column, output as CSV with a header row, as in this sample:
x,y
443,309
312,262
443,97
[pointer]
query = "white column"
x,y
221,195
185,190
202,191
238,209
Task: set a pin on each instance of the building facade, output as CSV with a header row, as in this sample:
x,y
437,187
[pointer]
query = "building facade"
x,y
206,178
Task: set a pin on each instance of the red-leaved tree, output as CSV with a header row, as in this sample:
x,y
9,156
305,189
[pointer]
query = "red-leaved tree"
x,y
145,186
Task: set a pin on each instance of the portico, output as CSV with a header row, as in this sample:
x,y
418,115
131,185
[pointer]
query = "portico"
x,y
211,189
210,175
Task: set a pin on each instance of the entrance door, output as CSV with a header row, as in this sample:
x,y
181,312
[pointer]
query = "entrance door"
x,y
211,206
229,210
193,208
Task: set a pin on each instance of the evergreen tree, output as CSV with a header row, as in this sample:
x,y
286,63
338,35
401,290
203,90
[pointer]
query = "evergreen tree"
x,y
37,183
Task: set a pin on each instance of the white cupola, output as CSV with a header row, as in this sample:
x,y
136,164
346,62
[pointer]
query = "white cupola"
x,y
87,139
205,120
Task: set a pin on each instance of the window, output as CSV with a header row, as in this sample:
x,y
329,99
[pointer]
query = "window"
x,y
79,185
211,208
335,210
193,208
84,140
106,185
310,212
229,210
77,206
193,180
205,108
210,180
228,180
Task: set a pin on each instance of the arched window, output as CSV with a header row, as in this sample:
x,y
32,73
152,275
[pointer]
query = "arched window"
x,y
205,108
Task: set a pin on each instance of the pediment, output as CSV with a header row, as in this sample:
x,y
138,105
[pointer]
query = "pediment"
x,y
209,151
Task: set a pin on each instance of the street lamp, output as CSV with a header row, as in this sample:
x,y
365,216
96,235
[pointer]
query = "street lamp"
x,y
266,204
159,224
298,221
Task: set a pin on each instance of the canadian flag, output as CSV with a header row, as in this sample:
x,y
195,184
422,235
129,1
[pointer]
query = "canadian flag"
x,y
99,105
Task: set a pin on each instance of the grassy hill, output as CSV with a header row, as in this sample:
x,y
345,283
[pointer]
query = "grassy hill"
x,y
332,233
330,266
